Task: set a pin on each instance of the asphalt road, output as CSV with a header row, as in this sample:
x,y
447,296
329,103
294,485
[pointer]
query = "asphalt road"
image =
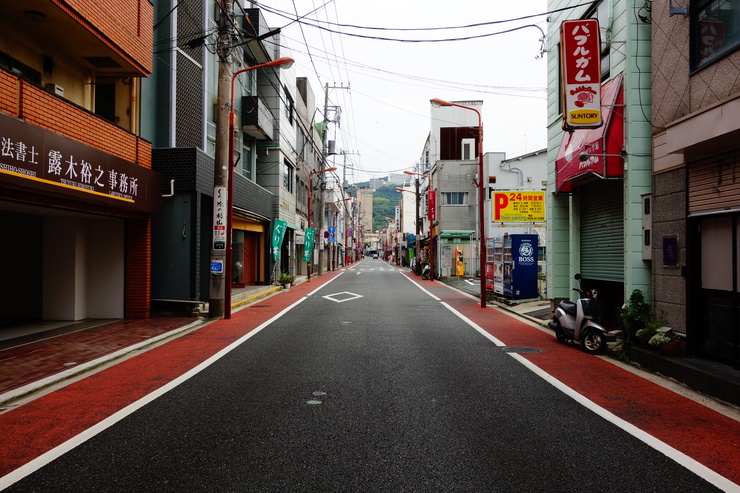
x,y
367,384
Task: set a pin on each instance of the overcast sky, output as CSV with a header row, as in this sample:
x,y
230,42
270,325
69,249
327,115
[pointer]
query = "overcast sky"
x,y
385,115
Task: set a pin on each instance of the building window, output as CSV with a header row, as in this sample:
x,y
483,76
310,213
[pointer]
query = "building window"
x,y
455,198
20,69
247,163
289,106
601,14
468,149
287,176
715,31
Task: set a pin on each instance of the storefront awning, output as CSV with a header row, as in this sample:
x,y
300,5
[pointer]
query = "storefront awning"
x,y
456,234
608,139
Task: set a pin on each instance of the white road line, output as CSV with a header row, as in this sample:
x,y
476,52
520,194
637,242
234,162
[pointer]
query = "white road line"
x,y
420,287
323,285
692,465
73,442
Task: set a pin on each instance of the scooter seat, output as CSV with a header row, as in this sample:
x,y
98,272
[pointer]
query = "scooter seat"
x,y
568,307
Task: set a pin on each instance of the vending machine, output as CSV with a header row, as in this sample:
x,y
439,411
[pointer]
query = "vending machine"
x,y
519,265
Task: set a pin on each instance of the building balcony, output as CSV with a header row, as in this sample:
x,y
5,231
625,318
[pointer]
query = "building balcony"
x,y
257,119
34,105
111,39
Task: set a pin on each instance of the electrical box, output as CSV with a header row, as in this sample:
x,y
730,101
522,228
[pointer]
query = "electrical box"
x,y
647,227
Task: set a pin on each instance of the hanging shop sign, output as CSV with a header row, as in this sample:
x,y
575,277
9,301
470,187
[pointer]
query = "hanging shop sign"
x,y
580,64
278,233
596,152
308,247
519,206
220,200
432,205
50,163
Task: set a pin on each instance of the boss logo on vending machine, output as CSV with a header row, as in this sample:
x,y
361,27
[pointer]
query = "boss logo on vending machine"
x,y
526,254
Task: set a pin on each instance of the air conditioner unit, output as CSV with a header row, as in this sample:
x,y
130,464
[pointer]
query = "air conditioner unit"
x,y
53,88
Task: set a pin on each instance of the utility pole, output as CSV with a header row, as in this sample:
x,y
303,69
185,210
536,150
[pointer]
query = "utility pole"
x,y
344,188
216,302
418,226
325,150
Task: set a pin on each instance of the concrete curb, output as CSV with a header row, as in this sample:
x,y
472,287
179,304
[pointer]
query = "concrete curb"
x,y
256,297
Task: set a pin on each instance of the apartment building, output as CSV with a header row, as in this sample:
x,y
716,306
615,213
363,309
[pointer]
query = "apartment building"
x,y
693,215
453,147
598,177
77,190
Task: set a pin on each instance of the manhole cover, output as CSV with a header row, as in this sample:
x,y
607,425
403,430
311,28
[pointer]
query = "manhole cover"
x,y
521,350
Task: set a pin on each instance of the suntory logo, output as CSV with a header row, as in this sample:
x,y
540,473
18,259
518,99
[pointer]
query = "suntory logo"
x,y
585,116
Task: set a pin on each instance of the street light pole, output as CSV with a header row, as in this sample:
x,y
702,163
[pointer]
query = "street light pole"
x,y
284,62
481,195
431,246
333,168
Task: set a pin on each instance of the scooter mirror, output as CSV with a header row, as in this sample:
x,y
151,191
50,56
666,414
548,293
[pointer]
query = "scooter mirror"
x,y
577,277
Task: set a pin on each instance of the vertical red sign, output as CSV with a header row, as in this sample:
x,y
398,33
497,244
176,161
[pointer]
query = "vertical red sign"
x,y
580,61
432,205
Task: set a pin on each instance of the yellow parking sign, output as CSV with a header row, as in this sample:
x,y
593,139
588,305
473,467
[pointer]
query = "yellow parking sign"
x,y
519,206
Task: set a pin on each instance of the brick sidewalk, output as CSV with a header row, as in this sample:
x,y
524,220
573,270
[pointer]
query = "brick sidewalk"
x,y
28,363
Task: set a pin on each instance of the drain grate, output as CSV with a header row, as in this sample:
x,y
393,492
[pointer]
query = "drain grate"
x,y
521,350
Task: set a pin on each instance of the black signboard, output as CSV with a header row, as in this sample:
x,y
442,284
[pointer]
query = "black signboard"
x,y
36,158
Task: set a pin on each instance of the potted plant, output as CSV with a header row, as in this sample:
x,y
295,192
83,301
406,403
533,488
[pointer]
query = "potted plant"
x,y
646,333
636,316
667,343
286,280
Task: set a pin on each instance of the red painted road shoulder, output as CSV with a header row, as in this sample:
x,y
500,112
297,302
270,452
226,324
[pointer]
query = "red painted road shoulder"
x,y
697,431
35,428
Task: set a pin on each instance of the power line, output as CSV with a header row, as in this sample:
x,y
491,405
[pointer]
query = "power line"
x,y
319,25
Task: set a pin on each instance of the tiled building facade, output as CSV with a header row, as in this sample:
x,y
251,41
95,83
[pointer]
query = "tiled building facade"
x,y
696,193
75,178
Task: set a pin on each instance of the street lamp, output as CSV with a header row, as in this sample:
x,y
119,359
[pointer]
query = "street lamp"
x,y
481,194
429,220
284,62
333,168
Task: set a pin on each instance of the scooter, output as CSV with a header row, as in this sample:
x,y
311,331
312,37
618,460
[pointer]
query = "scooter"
x,y
426,272
579,321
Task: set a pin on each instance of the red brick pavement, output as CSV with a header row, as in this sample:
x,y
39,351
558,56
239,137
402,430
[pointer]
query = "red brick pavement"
x,y
34,361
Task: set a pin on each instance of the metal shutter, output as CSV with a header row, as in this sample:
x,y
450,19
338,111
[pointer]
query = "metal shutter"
x,y
602,231
714,184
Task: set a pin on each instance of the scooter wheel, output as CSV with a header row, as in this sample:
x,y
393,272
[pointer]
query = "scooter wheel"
x,y
594,342
559,334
